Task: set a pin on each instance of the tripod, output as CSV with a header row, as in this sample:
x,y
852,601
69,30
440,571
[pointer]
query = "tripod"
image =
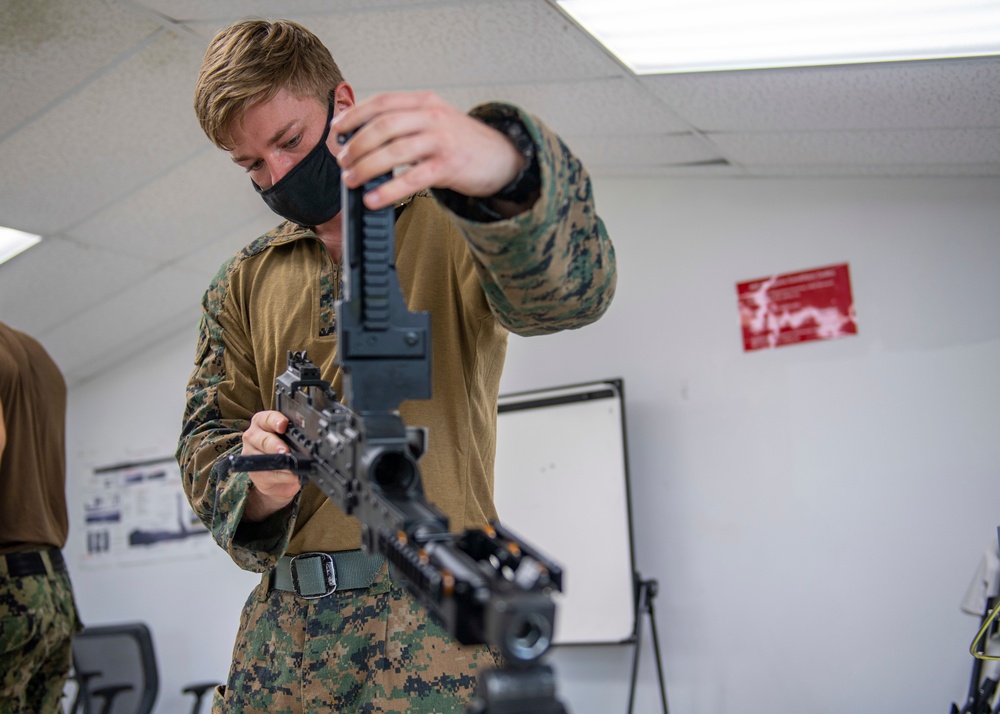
x,y
647,590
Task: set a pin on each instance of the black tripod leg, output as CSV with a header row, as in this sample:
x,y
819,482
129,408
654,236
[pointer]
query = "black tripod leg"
x,y
638,643
651,588
647,591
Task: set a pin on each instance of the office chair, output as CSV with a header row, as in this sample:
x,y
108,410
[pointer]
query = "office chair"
x,y
199,690
115,669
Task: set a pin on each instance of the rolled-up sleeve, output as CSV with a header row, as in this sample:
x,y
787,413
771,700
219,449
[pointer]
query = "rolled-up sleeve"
x,y
552,267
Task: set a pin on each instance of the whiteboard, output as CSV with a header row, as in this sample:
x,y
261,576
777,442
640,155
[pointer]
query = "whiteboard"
x,y
562,485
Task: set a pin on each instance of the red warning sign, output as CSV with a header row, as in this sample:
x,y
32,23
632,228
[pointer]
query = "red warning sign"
x,y
797,307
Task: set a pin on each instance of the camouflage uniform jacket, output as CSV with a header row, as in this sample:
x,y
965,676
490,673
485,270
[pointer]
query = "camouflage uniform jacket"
x,y
548,269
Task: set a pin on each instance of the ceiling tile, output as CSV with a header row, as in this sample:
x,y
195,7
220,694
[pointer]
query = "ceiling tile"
x,y
874,170
178,212
225,10
145,312
423,46
609,152
905,95
55,280
206,260
710,169
48,48
602,106
882,148
123,130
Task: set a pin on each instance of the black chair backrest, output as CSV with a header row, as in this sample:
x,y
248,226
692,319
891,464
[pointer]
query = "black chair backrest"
x,y
120,655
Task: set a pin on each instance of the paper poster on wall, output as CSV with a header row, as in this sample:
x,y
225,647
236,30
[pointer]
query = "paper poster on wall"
x,y
138,513
791,308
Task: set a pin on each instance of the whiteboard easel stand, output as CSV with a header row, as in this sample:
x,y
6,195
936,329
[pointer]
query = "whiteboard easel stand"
x,y
647,590
539,435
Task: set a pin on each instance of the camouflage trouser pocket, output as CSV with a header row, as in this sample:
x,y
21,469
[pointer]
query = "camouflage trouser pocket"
x,y
37,622
374,650
19,625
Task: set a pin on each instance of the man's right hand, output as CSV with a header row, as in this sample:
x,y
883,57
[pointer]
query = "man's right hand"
x,y
443,147
272,490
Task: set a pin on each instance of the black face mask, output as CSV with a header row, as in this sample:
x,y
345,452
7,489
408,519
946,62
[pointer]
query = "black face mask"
x,y
309,194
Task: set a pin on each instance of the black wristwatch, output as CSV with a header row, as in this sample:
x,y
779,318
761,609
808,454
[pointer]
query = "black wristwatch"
x,y
529,181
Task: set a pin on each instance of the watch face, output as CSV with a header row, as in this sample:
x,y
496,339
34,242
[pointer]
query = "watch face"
x,y
528,181
515,130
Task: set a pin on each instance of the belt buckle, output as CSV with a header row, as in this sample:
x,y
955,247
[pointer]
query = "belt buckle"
x,y
318,577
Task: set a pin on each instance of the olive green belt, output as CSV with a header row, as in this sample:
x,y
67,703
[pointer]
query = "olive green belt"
x,y
316,575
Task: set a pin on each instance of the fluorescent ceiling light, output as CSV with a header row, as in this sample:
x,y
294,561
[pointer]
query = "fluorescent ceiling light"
x,y
661,36
13,242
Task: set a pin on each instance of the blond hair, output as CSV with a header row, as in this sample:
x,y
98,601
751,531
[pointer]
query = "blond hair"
x,y
251,61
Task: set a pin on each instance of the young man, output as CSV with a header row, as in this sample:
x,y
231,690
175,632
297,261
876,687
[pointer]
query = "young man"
x,y
38,616
496,231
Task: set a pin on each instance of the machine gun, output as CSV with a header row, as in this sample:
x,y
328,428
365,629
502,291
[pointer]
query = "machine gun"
x,y
486,586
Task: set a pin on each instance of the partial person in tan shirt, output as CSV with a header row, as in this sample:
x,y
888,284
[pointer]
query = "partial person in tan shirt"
x,y
38,616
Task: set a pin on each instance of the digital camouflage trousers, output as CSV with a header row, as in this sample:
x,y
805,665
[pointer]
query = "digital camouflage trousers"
x,y
38,619
375,651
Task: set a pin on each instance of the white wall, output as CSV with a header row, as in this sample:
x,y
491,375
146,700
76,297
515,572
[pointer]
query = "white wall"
x,y
813,515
